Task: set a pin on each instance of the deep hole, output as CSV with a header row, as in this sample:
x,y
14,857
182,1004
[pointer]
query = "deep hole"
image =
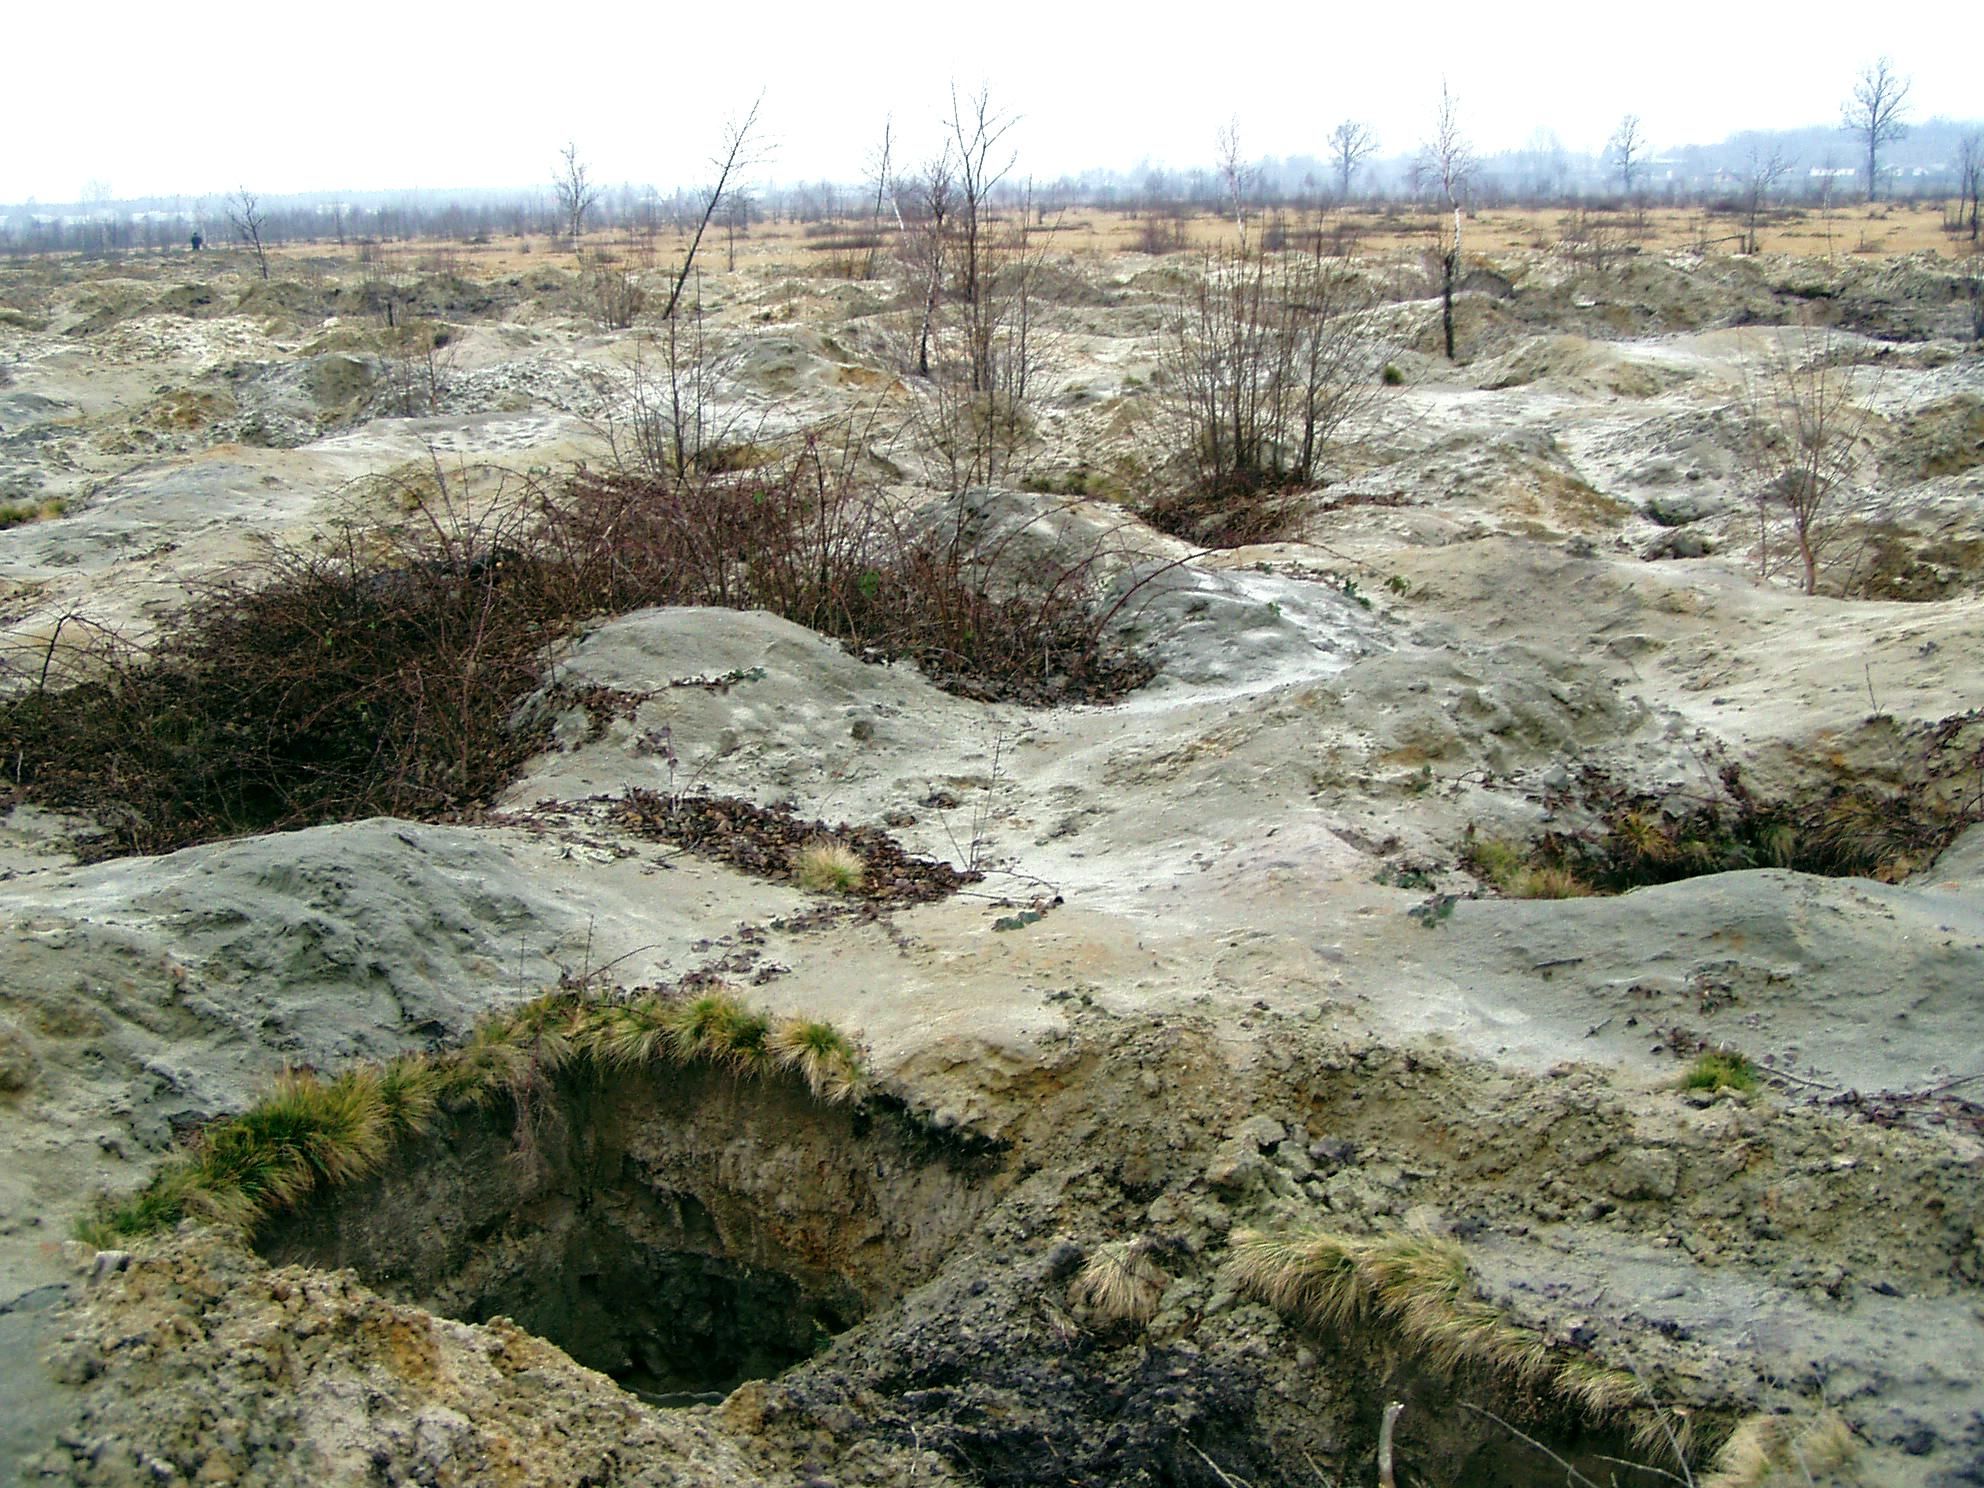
x,y
681,1233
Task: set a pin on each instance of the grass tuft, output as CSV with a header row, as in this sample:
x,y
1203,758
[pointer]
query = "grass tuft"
x,y
19,513
1765,1450
1120,1282
1721,1069
1421,1285
633,1035
824,866
309,1133
719,1028
819,1054
409,1095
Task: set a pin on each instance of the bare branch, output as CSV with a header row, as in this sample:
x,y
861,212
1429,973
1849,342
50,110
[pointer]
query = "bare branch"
x,y
733,155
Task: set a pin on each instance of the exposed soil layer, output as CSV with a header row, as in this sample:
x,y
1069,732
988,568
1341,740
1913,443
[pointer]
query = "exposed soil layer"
x,y
682,1232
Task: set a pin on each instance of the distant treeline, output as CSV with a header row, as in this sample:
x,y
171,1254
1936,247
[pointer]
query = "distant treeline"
x,y
1818,164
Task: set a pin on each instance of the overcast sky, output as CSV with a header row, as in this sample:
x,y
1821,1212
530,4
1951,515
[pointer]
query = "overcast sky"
x,y
159,99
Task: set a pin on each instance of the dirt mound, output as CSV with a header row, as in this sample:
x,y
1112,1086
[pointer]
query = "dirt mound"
x,y
1572,364
1942,439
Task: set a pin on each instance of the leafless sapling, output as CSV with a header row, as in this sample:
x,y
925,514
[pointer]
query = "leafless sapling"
x,y
1627,150
1804,423
1760,176
1446,161
735,155
1235,176
1970,178
881,171
576,193
978,133
244,213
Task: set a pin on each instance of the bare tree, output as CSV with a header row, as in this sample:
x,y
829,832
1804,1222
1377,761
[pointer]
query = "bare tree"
x,y
1626,149
1873,113
1235,175
978,131
1760,176
245,215
1351,144
1446,160
576,192
1266,361
734,155
881,170
1970,178
926,231
1802,450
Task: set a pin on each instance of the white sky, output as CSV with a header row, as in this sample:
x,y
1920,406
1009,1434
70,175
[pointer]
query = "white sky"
x,y
156,98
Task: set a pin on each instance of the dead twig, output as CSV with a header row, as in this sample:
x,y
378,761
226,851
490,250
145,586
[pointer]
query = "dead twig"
x,y
1221,1473
1392,1412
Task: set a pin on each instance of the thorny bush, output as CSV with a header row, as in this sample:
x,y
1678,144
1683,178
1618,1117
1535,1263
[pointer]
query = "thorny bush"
x,y
385,673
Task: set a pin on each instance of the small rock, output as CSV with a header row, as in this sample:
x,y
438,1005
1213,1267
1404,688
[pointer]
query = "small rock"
x,y
1263,1131
1061,1259
1332,1152
1292,1160
1645,1173
1235,1166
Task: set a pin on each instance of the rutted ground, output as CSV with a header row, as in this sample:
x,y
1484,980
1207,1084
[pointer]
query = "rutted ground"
x,y
1213,977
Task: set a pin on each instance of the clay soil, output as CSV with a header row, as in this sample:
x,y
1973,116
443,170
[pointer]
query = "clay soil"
x,y
1215,956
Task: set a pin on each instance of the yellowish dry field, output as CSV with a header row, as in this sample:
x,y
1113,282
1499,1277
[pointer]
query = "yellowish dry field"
x,y
1884,230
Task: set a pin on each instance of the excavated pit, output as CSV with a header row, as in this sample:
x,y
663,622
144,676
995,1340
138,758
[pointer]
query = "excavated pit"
x,y
681,1232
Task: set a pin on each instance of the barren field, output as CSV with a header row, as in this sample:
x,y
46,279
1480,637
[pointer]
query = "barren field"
x,y
1497,946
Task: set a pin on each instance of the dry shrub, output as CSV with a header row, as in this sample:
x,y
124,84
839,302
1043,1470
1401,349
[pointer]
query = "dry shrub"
x,y
374,678
804,539
1265,364
384,676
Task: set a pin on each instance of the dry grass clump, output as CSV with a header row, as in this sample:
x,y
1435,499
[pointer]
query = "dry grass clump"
x,y
1767,1450
1885,829
1421,1286
1120,1282
19,513
819,1054
824,866
311,1133
1504,866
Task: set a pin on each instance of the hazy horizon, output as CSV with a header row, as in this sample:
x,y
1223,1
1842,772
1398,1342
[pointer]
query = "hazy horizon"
x,y
407,100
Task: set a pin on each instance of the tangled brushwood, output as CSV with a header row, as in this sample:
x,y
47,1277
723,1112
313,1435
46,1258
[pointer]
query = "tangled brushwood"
x,y
311,1133
384,674
1266,363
